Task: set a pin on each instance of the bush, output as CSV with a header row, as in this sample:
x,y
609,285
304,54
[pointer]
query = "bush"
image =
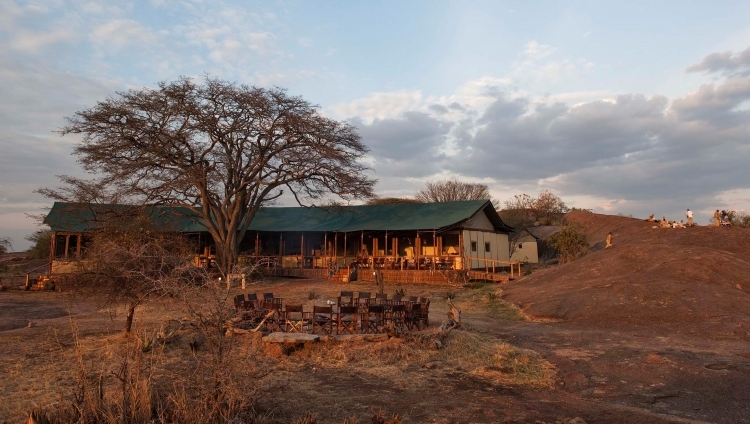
x,y
401,292
739,219
41,240
570,243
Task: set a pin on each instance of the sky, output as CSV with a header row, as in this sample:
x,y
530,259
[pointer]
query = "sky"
x,y
626,108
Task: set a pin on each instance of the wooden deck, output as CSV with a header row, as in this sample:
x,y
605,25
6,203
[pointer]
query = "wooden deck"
x,y
389,276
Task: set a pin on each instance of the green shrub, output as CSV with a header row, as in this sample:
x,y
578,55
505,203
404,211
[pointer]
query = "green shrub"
x,y
570,243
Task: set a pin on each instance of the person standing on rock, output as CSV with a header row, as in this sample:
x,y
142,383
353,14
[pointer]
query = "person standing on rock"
x,y
609,240
689,215
717,218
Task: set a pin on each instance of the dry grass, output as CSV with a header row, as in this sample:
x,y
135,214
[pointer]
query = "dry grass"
x,y
331,381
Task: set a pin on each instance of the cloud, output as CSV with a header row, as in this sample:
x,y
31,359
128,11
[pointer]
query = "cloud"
x,y
414,136
119,33
536,51
616,153
380,105
722,62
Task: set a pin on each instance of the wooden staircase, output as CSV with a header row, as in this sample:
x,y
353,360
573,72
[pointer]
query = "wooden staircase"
x,y
43,283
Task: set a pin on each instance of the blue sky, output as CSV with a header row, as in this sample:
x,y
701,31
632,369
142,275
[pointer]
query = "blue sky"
x,y
624,107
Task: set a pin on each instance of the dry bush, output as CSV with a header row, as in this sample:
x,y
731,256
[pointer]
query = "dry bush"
x,y
475,353
570,242
193,374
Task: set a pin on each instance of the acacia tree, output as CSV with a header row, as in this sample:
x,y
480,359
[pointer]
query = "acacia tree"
x,y
453,190
219,149
5,245
132,259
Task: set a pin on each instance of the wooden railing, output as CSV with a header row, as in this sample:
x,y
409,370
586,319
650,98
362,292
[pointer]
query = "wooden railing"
x,y
493,263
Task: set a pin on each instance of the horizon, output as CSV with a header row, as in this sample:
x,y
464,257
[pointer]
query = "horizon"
x,y
624,109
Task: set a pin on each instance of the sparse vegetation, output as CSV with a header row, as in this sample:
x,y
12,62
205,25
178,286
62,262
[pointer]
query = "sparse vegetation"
x,y
570,243
453,190
5,245
41,240
739,219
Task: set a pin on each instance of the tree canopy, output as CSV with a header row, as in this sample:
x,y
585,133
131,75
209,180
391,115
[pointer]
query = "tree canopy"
x,y
453,190
220,149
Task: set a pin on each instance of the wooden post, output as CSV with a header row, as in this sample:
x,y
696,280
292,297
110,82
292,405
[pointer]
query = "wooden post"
x,y
257,245
281,250
335,247
51,252
325,248
67,244
493,267
345,252
374,251
511,270
78,245
461,250
302,250
434,249
417,249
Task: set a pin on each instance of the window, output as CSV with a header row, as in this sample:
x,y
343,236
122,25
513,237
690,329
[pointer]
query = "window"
x,y
487,247
473,246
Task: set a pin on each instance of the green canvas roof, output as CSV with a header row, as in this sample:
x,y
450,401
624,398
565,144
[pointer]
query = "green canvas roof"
x,y
391,217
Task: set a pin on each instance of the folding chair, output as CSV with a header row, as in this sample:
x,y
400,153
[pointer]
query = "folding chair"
x,y
275,322
252,300
323,319
414,316
294,319
347,319
374,320
397,316
239,302
381,298
349,301
363,301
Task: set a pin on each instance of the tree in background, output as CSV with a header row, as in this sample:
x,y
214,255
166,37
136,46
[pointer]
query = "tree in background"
x,y
42,240
522,210
453,190
390,201
739,219
5,245
570,243
132,259
219,149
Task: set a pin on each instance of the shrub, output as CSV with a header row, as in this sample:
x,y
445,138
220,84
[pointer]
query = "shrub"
x,y
570,243
401,292
739,219
41,240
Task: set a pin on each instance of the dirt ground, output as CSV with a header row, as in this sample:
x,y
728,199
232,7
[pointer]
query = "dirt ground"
x,y
654,330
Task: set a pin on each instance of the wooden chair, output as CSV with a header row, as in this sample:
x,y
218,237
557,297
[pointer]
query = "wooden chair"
x,y
374,319
346,298
276,321
425,311
295,320
413,316
381,298
252,300
239,302
397,316
363,301
323,319
347,319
